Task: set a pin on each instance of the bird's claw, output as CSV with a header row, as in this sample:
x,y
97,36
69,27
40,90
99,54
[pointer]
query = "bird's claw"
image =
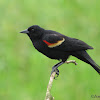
x,y
57,72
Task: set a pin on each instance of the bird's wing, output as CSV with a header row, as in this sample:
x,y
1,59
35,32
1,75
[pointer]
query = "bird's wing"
x,y
53,40
76,45
64,43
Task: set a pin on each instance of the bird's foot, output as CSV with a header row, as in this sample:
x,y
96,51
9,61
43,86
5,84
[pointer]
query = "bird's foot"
x,y
71,61
55,70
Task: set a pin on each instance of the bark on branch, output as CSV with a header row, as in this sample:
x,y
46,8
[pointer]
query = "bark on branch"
x,y
48,94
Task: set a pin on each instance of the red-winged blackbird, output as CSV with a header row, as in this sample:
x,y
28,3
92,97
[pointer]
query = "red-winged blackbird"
x,y
57,46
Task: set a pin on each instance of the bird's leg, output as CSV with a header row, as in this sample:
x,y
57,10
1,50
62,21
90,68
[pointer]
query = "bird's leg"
x,y
71,61
55,68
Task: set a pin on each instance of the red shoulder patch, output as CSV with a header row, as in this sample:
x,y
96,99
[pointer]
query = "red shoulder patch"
x,y
47,42
51,45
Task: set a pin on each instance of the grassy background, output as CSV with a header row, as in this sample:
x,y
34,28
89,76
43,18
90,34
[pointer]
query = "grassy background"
x,y
24,72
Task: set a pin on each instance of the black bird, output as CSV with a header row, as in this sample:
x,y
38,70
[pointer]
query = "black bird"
x,y
57,46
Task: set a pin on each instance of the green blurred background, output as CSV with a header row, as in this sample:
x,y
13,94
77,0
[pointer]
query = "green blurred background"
x,y
24,72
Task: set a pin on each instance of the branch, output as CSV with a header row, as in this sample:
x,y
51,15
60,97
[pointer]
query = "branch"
x,y
71,61
48,94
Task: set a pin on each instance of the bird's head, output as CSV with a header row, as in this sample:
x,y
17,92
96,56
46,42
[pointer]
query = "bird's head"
x,y
33,31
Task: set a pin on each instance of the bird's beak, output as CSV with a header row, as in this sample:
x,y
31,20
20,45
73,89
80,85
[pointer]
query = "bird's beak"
x,y
25,31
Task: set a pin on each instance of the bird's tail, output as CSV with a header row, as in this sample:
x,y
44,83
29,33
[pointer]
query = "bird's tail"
x,y
83,55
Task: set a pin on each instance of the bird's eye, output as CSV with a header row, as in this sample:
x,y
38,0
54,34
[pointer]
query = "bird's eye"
x,y
32,29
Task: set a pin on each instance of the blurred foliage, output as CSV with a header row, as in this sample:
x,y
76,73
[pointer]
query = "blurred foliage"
x,y
24,72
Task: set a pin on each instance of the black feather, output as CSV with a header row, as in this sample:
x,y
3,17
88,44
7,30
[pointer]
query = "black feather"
x,y
83,55
70,46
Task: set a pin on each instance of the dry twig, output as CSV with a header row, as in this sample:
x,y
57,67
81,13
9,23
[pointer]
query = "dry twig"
x,y
48,94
